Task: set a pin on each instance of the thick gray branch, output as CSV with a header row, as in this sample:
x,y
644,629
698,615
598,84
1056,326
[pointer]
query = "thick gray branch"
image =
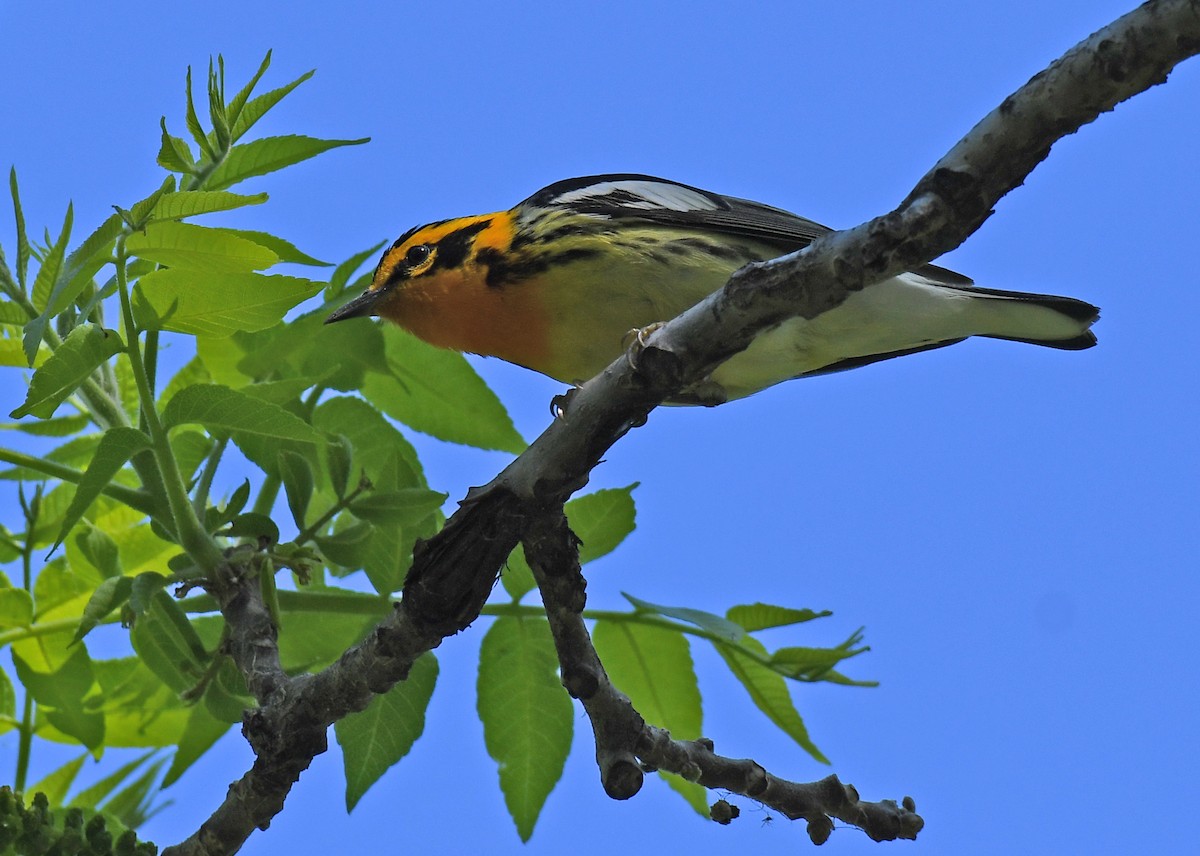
x,y
452,576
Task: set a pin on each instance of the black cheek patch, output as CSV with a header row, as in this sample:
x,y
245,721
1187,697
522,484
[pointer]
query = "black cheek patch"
x,y
453,249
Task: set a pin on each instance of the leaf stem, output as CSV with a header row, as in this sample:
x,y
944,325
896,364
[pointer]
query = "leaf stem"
x,y
188,527
139,500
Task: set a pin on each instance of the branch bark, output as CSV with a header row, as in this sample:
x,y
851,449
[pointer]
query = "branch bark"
x,y
453,573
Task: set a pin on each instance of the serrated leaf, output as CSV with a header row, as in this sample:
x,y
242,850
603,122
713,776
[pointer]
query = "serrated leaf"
x,y
405,506
173,153
47,274
109,595
285,250
269,154
82,264
517,576
192,203
8,703
378,737
92,796
22,236
346,547
342,273
65,686
13,314
763,616
437,392
221,410
256,108
168,644
601,520
145,586
59,426
202,731
814,664
374,441
653,666
253,525
116,447
16,608
142,211
238,103
193,123
99,549
76,358
56,784
132,804
714,624
191,301
769,692
199,248
297,477
527,716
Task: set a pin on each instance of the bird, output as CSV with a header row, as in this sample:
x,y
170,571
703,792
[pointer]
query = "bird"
x,y
558,282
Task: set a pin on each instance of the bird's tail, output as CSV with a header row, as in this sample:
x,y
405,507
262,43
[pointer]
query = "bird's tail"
x,y
1039,319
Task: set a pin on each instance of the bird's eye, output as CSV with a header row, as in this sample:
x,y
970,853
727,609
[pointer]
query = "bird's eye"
x,y
417,254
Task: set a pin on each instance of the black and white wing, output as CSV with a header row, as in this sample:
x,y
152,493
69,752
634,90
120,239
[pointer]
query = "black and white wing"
x,y
673,204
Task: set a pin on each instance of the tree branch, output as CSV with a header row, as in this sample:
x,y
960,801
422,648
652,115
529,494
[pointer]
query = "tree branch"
x,y
454,571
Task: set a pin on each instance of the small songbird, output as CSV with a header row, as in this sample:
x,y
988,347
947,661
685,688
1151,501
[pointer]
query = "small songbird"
x,y
557,283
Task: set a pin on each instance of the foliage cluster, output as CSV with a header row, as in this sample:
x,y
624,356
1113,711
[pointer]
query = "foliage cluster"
x,y
117,521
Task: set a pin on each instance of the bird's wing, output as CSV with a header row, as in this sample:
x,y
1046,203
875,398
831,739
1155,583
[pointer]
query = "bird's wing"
x,y
644,197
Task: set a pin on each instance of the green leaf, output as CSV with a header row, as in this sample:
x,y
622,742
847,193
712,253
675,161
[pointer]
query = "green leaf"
x,y
763,616
297,477
193,123
47,274
13,314
247,116
74,361
253,525
59,426
132,805
8,703
56,784
378,737
168,644
269,154
517,576
173,153
601,520
347,547
238,103
191,301
714,624
768,690
99,549
437,392
405,506
22,237
199,248
202,731
815,664
653,666
109,595
117,446
192,203
142,211
82,264
62,691
376,444
221,409
286,251
342,273
91,797
527,716
16,608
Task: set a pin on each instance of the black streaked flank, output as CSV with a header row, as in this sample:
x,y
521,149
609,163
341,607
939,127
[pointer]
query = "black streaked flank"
x,y
453,249
505,269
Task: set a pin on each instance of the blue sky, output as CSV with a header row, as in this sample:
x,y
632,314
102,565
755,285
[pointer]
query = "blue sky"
x,y
1015,527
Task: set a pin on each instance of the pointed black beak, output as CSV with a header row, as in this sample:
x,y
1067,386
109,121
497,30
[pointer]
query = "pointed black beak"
x,y
359,307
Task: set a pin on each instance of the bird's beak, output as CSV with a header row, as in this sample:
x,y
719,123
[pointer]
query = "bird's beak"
x,y
359,307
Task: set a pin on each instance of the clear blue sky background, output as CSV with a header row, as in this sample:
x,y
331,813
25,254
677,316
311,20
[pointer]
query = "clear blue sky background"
x,y
1016,527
